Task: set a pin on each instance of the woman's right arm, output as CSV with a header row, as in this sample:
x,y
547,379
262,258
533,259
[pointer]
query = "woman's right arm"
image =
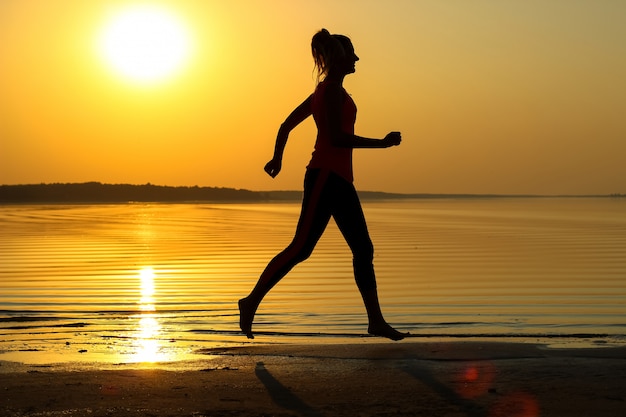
x,y
334,102
294,119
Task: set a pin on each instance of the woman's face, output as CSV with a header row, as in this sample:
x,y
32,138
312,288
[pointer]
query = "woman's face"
x,y
348,65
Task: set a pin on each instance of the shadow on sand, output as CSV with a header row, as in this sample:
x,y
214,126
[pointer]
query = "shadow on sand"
x,y
285,398
282,395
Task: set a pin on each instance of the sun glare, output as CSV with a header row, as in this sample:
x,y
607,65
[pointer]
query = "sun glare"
x,y
145,43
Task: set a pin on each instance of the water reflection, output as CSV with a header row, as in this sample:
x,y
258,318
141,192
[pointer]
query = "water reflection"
x,y
148,346
146,302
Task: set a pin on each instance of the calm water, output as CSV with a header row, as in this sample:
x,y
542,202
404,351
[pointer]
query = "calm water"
x,y
142,282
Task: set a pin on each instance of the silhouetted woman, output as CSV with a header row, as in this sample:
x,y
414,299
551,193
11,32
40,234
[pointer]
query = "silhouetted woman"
x,y
328,188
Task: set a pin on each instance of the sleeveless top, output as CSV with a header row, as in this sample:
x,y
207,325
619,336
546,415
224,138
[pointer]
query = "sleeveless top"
x,y
325,155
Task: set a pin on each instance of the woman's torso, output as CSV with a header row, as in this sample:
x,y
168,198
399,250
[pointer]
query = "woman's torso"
x,y
325,155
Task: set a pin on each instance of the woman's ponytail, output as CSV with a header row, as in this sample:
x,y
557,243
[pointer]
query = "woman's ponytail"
x,y
327,51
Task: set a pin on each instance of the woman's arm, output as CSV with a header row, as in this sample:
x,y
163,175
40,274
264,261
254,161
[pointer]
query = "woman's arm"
x,y
294,119
334,102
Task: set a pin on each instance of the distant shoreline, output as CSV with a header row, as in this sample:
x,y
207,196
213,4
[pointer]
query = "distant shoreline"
x,y
96,192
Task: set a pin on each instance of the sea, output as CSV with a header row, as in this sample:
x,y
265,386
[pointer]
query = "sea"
x,y
154,282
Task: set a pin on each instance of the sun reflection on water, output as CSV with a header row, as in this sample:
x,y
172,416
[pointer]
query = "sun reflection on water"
x,y
148,347
146,302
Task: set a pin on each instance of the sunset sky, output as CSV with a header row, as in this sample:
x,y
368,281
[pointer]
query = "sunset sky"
x,y
490,96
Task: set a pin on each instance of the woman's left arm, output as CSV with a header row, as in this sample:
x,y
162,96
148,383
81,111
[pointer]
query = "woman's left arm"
x,y
296,117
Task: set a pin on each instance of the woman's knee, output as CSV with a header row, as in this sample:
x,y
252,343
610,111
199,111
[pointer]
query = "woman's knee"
x,y
364,252
299,253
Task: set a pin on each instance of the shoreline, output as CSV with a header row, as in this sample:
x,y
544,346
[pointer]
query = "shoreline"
x,y
443,378
180,353
370,348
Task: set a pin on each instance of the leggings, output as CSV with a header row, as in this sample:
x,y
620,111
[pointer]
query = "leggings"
x,y
326,195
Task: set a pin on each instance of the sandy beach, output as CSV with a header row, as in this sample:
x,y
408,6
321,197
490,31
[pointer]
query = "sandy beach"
x,y
374,379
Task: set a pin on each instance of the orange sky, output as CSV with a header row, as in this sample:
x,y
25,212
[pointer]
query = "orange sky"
x,y
490,96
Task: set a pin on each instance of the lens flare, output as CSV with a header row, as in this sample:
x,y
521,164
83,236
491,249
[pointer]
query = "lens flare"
x,y
476,379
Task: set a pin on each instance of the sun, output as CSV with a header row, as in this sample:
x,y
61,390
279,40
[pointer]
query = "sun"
x,y
145,43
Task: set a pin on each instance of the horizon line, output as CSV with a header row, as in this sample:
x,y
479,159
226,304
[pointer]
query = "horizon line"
x,y
381,193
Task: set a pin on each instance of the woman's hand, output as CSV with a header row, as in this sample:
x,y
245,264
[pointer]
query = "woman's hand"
x,y
273,167
392,139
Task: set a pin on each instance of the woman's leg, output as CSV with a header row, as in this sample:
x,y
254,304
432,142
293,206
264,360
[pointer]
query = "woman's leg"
x,y
314,218
350,219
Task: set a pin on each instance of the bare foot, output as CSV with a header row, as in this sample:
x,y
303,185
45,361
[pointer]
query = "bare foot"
x,y
385,330
246,315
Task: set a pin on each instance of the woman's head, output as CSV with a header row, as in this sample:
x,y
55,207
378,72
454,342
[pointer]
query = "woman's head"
x,y
332,54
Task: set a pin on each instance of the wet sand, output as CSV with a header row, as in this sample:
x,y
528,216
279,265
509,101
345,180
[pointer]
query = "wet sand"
x,y
381,379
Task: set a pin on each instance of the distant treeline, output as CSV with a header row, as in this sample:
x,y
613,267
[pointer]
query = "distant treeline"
x,y
96,192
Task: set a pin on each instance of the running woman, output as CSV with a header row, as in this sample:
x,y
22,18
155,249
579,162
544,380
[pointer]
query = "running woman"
x,y
328,183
